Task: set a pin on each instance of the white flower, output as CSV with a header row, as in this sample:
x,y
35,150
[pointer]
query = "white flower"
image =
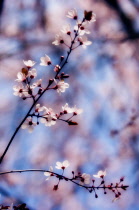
x,y
82,28
20,90
20,77
76,111
45,61
67,109
73,110
85,178
32,73
100,174
66,29
29,124
49,117
48,173
37,83
84,41
72,14
58,39
29,63
61,86
39,108
62,165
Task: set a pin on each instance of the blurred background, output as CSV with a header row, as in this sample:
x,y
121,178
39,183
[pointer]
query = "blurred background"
x,y
104,82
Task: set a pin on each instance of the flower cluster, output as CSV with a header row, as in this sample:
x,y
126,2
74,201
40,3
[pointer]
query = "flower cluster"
x,y
49,117
84,180
78,34
25,88
28,88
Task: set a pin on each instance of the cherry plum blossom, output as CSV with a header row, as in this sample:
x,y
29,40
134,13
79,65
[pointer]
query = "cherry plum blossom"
x,y
45,61
85,178
62,165
29,63
72,14
29,124
100,174
49,173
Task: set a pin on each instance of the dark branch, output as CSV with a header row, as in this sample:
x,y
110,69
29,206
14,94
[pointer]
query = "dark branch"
x,y
126,21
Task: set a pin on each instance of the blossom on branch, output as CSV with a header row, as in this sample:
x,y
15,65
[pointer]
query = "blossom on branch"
x,y
29,63
58,39
45,61
61,86
72,14
85,178
37,83
100,174
29,124
81,28
20,77
66,29
76,111
49,117
66,109
39,108
49,174
62,165
84,41
20,90
32,73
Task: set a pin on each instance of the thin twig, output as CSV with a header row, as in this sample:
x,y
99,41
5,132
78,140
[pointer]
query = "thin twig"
x,y
62,177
